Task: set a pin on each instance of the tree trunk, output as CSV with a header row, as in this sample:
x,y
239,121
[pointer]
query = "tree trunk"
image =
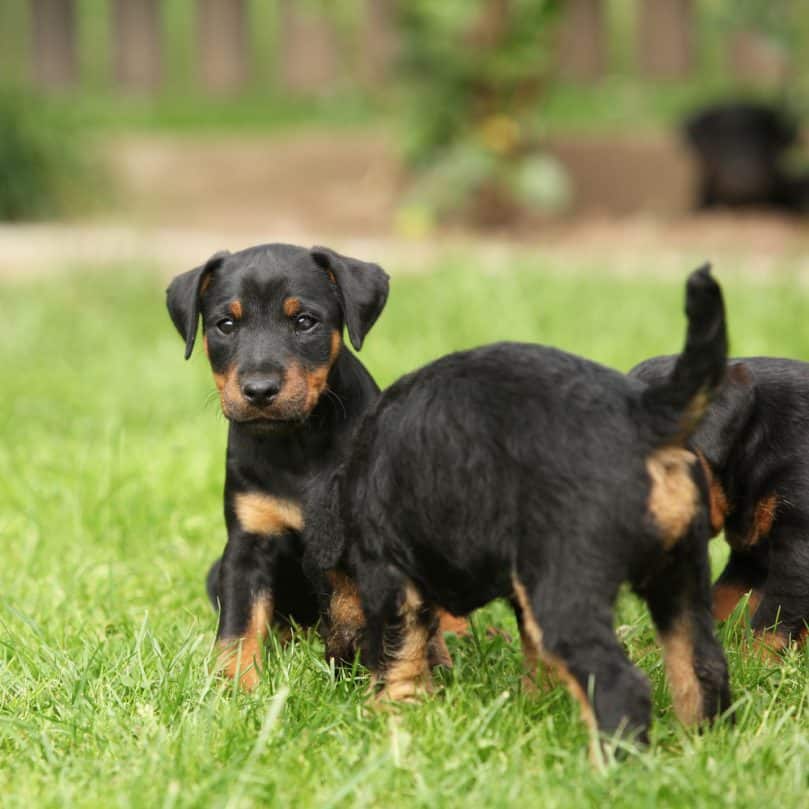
x,y
53,25
379,45
223,44
308,50
136,37
581,40
665,37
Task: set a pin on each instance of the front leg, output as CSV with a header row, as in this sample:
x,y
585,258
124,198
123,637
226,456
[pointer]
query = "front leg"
x,y
399,632
246,607
680,603
259,527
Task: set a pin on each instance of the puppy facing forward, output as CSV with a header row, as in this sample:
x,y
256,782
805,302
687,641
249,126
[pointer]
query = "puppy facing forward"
x,y
524,472
272,324
754,443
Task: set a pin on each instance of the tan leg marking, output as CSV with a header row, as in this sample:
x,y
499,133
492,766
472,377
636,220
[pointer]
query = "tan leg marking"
x,y
437,651
346,618
407,675
673,497
263,514
767,646
241,656
678,657
725,599
530,657
453,623
531,636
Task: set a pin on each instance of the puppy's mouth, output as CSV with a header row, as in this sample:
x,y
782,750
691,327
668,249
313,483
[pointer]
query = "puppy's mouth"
x,y
268,423
263,418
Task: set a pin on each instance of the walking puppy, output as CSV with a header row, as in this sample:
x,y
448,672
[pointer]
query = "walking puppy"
x,y
272,321
523,472
754,443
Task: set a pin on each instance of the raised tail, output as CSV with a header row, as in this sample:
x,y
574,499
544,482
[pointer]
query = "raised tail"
x,y
677,404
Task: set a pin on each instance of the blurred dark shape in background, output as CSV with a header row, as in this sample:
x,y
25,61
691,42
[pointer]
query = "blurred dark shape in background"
x,y
740,148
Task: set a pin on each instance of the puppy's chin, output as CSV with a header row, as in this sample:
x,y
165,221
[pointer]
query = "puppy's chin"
x,y
263,421
268,426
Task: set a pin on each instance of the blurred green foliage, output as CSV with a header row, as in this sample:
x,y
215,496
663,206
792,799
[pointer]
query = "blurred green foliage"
x,y
43,168
474,72
624,98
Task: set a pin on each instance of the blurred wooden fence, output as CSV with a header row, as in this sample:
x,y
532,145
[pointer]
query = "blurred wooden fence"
x,y
309,56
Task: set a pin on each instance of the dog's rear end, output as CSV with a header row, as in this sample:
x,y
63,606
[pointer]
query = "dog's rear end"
x,y
525,472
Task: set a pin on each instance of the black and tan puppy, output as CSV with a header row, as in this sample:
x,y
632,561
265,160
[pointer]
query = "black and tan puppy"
x,y
740,148
754,442
272,320
523,472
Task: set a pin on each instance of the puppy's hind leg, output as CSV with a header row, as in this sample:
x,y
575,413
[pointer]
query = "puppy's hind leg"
x,y
400,630
783,613
530,639
679,599
575,638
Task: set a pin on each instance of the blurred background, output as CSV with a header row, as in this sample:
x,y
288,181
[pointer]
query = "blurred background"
x,y
166,129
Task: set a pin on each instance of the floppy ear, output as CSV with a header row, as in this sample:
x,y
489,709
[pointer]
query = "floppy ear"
x,y
182,299
362,288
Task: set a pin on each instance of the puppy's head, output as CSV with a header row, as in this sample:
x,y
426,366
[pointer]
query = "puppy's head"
x,y
738,146
272,323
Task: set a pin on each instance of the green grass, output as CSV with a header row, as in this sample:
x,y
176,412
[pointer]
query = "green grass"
x,y
112,455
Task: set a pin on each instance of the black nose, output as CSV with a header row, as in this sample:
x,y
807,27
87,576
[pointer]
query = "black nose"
x,y
260,390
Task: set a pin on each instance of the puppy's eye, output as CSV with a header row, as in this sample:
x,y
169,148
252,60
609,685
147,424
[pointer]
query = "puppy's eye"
x,y
226,325
305,323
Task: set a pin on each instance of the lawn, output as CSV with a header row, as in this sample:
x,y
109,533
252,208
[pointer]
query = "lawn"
x,y
110,511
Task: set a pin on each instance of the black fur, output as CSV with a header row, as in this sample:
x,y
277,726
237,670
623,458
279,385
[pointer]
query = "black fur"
x,y
294,428
739,149
755,439
523,463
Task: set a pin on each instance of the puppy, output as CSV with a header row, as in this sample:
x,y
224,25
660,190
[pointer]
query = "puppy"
x,y
739,149
524,472
754,443
272,323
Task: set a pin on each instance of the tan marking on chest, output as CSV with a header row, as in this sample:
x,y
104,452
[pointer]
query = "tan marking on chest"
x,y
267,515
673,497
